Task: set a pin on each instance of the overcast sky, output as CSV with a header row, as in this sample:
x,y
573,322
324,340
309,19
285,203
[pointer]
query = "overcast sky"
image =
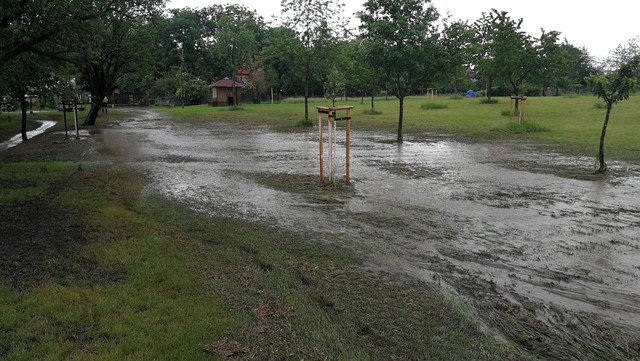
x,y
600,26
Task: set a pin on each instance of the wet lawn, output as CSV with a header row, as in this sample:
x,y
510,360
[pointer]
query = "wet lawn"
x,y
92,268
570,124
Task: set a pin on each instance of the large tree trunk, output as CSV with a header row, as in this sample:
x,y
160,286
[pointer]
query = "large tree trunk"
x,y
23,108
97,84
400,117
92,116
602,167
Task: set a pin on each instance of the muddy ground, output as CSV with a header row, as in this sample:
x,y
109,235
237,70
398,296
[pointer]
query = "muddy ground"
x,y
544,252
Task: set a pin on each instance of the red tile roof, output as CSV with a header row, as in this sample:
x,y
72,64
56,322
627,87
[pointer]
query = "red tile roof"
x,y
225,83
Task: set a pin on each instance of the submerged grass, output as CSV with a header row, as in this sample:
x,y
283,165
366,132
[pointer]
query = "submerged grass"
x,y
101,272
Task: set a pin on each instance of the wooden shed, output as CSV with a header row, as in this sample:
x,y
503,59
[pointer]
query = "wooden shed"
x,y
222,92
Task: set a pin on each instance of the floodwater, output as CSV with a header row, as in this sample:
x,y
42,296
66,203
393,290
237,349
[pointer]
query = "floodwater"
x,y
491,222
17,139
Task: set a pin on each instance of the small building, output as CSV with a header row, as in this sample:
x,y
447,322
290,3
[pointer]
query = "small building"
x,y
222,92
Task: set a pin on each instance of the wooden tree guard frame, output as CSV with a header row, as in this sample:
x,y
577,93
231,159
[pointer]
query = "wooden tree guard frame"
x,y
432,94
67,107
331,113
522,109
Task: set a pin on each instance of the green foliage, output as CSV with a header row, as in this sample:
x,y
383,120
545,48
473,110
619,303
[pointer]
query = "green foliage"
x,y
515,127
335,85
304,123
613,87
316,32
195,89
403,50
431,106
489,101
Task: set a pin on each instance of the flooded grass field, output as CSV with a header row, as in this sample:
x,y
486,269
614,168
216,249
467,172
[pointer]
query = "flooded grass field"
x,y
543,251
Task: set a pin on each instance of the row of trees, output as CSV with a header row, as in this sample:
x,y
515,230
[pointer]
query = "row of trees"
x,y
401,47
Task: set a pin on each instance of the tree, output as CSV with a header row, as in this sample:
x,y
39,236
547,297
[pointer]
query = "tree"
x,y
25,24
29,75
116,42
334,86
236,40
279,53
192,89
403,45
364,77
613,87
457,43
623,54
483,60
315,23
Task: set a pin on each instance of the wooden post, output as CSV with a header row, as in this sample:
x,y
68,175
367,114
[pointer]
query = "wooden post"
x,y
321,150
511,109
348,146
64,115
75,118
332,119
331,145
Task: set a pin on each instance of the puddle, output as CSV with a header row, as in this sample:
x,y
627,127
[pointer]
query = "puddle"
x,y
469,216
17,139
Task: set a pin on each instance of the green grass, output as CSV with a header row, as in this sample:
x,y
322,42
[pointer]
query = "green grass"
x,y
571,124
431,106
11,124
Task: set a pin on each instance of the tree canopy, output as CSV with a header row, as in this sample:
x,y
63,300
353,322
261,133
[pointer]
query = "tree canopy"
x,y
402,47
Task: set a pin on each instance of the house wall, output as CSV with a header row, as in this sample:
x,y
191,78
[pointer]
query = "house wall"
x,y
221,95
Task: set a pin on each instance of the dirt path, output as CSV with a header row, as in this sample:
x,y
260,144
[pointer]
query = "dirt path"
x,y
553,253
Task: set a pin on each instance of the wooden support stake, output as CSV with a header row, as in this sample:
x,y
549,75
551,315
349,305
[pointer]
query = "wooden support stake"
x,y
348,146
511,109
331,145
321,150
64,115
75,118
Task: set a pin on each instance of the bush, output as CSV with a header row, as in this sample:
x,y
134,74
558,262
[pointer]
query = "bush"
x,y
600,105
304,123
507,112
489,101
430,106
523,127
